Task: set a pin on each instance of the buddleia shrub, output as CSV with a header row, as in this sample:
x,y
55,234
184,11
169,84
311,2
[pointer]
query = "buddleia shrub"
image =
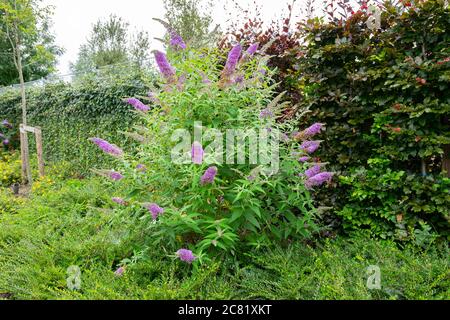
x,y
188,197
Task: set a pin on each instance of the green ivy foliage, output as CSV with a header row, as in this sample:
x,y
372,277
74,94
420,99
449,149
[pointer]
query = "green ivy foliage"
x,y
383,94
69,114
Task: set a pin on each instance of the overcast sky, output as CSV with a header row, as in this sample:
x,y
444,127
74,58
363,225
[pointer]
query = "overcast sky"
x,y
73,19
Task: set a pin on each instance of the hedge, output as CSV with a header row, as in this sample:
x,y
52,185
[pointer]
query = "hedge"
x,y
384,97
69,114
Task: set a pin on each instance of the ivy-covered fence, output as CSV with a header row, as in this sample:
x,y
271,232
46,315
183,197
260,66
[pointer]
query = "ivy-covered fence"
x,y
384,95
69,114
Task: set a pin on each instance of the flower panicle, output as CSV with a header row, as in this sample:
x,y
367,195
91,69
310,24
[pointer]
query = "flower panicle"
x,y
164,66
197,153
186,255
107,147
138,105
209,176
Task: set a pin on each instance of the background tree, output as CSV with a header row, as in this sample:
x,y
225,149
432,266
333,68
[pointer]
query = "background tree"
x,y
21,24
37,45
110,43
192,20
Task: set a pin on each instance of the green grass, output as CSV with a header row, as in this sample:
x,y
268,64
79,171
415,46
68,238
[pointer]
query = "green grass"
x,y
63,226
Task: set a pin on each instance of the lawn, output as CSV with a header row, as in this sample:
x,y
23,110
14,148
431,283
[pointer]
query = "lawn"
x,y
63,224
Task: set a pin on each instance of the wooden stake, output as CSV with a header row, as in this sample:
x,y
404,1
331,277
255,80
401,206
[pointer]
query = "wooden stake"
x,y
24,150
22,157
38,134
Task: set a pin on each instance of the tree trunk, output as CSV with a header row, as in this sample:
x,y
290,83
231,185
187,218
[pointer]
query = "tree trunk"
x,y
24,141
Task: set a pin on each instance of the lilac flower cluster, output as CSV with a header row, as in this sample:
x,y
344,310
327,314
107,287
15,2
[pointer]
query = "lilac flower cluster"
x,y
319,179
116,176
164,66
141,168
155,210
197,153
265,113
252,49
6,124
233,59
208,176
314,176
304,159
119,272
107,147
138,105
186,255
176,41
310,146
311,172
181,81
154,98
205,79
313,130
119,201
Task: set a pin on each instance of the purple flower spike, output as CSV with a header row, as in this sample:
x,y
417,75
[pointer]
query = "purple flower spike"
x,y
154,98
239,79
319,179
107,147
252,49
5,142
208,176
197,153
304,159
176,41
6,124
141,168
138,105
233,58
164,66
155,210
205,79
312,171
186,255
313,130
310,146
119,201
119,272
181,81
265,113
116,176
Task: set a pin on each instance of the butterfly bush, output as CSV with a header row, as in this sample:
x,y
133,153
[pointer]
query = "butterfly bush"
x,y
154,210
186,255
197,153
176,41
107,147
209,175
210,205
167,71
138,105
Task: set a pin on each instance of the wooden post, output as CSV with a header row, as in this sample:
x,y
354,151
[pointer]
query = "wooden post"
x,y
24,150
22,157
38,135
26,170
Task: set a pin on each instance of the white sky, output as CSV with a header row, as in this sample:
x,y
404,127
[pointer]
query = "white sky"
x,y
73,19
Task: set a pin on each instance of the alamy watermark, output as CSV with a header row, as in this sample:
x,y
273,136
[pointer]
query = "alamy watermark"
x,y
373,277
